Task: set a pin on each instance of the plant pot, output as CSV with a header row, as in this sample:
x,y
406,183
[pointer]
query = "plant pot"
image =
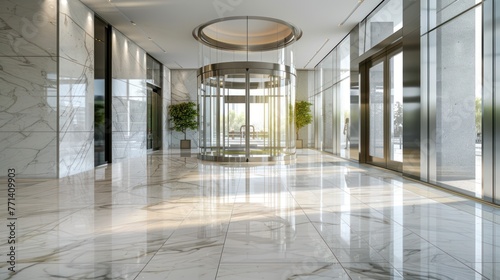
x,y
298,144
185,144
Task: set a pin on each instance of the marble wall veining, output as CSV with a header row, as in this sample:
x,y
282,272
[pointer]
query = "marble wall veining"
x,y
28,87
76,88
129,99
47,90
184,86
167,100
46,87
28,28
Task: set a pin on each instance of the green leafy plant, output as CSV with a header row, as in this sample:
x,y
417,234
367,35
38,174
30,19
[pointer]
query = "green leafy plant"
x,y
184,116
303,115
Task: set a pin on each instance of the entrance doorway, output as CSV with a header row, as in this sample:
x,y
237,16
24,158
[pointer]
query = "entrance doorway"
x,y
102,92
246,112
384,117
154,119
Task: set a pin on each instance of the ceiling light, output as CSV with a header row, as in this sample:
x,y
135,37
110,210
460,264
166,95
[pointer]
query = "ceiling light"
x,y
247,33
149,38
352,12
133,23
322,46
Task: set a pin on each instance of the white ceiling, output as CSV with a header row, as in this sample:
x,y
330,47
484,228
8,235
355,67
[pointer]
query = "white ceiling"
x,y
169,23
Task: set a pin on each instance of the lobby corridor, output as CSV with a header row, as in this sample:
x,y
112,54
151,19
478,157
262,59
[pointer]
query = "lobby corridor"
x,y
168,216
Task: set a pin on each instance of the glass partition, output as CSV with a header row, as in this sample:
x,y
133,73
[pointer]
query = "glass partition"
x,y
439,12
380,24
376,111
246,112
455,103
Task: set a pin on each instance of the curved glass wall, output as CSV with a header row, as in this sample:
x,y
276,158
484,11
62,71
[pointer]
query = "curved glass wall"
x,y
246,111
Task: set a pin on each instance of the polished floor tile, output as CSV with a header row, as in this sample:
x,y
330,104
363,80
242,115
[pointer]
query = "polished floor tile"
x,y
168,216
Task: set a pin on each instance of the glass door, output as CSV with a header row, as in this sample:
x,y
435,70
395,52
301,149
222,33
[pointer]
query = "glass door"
x,y
234,115
246,114
385,111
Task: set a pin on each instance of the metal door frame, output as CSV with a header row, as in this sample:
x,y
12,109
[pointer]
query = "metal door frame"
x,y
381,57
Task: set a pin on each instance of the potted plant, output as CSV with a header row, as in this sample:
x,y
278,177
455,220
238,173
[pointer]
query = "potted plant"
x,y
303,117
184,116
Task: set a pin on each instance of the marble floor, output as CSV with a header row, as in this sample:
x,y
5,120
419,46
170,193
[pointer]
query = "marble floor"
x,y
168,216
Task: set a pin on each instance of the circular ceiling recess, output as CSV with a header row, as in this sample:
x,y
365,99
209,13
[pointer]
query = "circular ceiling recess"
x,y
247,33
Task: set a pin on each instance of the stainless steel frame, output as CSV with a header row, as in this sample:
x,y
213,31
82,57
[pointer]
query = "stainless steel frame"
x,y
429,38
383,57
495,167
414,95
431,111
294,35
491,110
418,149
490,11
355,110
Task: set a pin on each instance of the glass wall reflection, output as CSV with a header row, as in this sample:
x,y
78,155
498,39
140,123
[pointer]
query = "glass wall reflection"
x,y
455,96
376,108
332,101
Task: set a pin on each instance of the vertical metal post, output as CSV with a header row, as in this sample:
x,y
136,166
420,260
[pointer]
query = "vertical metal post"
x,y
490,11
224,132
217,115
278,94
247,115
414,97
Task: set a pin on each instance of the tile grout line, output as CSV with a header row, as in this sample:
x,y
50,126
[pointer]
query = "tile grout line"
x,y
321,236
166,240
163,244
227,230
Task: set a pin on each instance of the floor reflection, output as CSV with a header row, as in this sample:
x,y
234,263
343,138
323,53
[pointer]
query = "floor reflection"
x,y
171,216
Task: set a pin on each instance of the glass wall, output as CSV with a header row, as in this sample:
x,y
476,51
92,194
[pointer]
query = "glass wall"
x,y
380,24
153,73
448,99
328,125
376,110
453,83
246,112
332,101
343,87
334,123
396,107
311,129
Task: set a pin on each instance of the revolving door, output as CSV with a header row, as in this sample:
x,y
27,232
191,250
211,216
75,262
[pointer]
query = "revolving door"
x,y
246,112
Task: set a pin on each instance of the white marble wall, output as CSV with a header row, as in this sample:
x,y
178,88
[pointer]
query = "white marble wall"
x,y
184,88
28,88
76,88
28,28
129,99
167,100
